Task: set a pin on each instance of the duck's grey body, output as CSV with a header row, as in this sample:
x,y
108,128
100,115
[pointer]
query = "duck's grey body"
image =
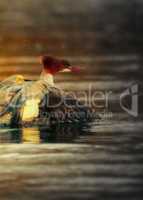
x,y
48,104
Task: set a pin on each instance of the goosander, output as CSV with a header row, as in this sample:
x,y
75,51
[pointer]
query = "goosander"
x,y
26,102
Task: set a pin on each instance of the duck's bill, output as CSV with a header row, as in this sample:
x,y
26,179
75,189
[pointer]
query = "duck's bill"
x,y
73,69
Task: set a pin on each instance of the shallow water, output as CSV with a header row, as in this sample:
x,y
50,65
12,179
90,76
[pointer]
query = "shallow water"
x,y
99,160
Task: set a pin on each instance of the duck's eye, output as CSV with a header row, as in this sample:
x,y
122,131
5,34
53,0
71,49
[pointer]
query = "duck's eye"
x,y
65,63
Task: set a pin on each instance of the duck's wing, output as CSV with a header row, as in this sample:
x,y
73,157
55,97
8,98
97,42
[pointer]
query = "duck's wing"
x,y
9,88
28,100
12,80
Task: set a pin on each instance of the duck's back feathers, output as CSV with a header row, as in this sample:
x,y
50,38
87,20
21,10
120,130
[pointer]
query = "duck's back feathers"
x,y
62,108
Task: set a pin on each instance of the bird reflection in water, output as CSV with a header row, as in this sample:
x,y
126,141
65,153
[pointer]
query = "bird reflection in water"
x,y
56,133
31,135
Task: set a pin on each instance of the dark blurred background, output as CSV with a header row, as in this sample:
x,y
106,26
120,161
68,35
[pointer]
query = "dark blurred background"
x,y
105,38
79,30
66,27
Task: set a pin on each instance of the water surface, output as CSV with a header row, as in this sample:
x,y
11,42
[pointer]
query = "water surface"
x,y
99,160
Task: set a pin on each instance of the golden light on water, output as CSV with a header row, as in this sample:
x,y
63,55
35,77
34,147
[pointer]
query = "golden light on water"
x,y
30,135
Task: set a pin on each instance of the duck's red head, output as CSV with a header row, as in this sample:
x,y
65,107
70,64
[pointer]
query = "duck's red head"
x,y
54,65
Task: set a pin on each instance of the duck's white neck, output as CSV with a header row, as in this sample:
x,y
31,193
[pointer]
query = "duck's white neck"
x,y
49,78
